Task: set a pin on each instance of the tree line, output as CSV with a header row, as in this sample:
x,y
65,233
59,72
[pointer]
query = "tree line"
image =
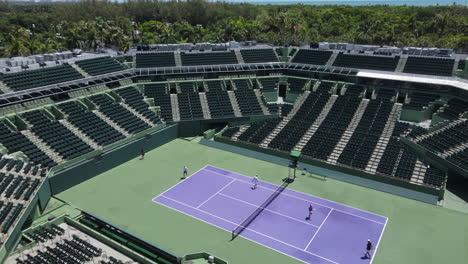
x,y
30,28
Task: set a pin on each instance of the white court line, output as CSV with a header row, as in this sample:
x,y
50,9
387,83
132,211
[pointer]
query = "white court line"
x,y
305,199
292,218
316,232
320,198
251,230
225,186
199,219
181,182
378,242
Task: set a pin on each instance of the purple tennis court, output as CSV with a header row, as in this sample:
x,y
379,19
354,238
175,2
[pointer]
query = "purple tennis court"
x,y
335,233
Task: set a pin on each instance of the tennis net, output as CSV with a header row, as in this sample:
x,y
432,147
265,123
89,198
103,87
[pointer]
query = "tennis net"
x,y
259,209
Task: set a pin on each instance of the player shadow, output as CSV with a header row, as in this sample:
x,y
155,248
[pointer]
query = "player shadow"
x,y
183,178
310,175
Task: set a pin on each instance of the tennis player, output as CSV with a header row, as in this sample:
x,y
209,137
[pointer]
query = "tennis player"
x,y
311,210
185,171
368,249
255,182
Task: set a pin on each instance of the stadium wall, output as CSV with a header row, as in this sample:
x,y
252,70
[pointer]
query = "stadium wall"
x,y
378,182
88,168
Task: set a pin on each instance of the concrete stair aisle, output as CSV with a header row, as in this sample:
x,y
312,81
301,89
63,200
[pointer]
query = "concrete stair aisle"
x,y
401,64
242,129
333,158
311,131
55,156
454,150
294,55
235,105
455,65
384,139
456,122
4,88
177,58
285,120
79,134
239,57
419,173
205,106
258,94
111,123
332,59
137,114
81,71
175,107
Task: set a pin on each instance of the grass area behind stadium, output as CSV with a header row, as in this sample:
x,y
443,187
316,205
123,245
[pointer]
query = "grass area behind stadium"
x,y
416,232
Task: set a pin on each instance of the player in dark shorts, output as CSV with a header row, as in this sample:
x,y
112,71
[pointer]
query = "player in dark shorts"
x,y
311,210
142,152
185,171
368,249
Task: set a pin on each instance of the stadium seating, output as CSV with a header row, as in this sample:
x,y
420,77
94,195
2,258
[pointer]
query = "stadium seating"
x,y
288,137
429,66
90,124
258,55
269,84
218,101
161,99
41,77
134,99
448,138
247,99
454,108
286,109
296,85
317,57
258,131
230,131
101,65
15,141
460,159
364,139
119,114
418,101
366,62
151,60
190,106
56,135
324,140
208,58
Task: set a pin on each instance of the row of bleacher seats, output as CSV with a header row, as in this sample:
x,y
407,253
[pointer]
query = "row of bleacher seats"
x,y
258,55
269,84
190,106
44,234
446,139
56,135
15,141
296,85
135,100
317,57
19,167
150,60
187,87
429,66
258,131
454,108
218,100
380,63
246,98
208,58
290,135
119,114
41,77
90,124
364,139
229,132
101,65
324,140
161,98
419,101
